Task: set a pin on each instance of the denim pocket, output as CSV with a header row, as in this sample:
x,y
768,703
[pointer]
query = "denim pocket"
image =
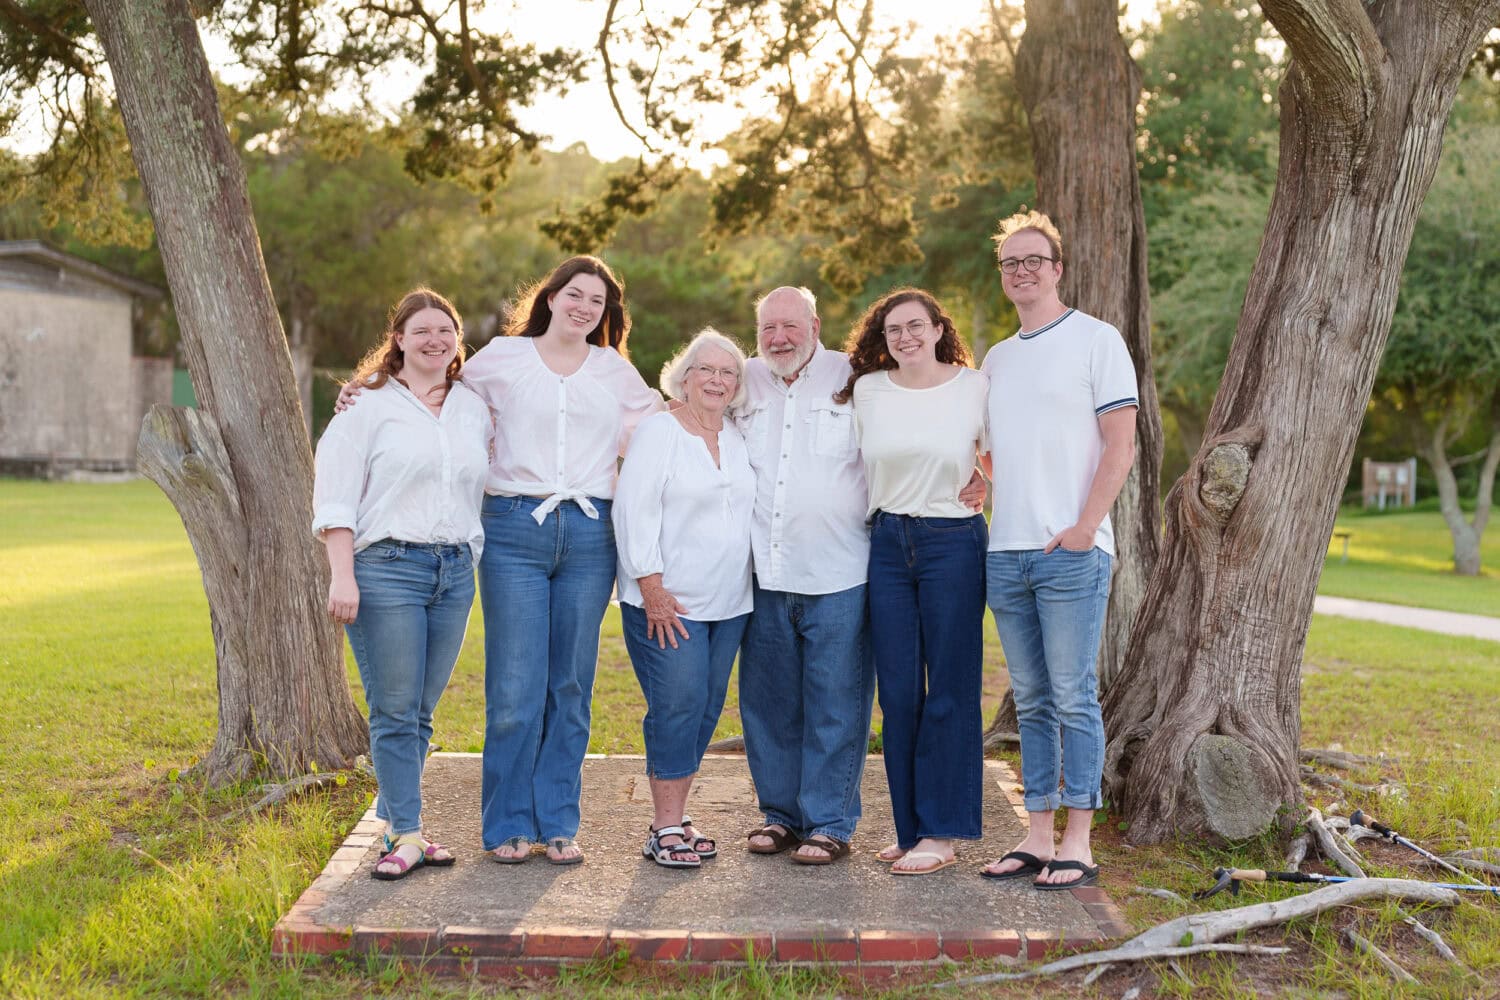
x,y
381,551
498,506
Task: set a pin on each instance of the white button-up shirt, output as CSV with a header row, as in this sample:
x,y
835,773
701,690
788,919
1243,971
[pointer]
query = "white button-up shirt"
x,y
809,533
391,468
558,436
678,514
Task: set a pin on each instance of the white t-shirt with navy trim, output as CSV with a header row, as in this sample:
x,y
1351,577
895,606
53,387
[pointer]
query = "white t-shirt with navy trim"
x,y
1048,388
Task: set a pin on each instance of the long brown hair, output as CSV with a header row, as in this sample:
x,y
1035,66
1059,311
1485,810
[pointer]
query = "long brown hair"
x,y
386,359
866,344
533,315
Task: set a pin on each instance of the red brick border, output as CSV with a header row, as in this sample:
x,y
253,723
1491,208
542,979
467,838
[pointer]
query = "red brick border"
x,y
516,954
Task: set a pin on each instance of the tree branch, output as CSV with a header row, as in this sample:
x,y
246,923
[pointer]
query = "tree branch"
x,y
1335,45
609,76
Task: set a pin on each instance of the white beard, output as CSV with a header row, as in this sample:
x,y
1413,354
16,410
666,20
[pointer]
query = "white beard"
x,y
787,365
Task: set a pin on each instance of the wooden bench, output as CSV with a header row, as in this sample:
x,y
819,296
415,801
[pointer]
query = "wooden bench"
x,y
1343,535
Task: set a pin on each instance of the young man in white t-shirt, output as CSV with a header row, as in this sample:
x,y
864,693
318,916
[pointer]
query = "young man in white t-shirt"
x,y
1062,411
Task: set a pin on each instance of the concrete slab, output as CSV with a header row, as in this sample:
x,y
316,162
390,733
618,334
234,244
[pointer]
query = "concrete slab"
x,y
853,912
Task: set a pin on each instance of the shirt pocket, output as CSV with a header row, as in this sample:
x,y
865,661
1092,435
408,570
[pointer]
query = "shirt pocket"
x,y
833,430
754,426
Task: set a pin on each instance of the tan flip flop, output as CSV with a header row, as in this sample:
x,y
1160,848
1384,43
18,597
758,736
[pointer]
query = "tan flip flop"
x,y
942,863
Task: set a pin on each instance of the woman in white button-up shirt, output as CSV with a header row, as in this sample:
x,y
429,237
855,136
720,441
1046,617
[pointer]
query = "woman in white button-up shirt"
x,y
682,516
396,501
566,400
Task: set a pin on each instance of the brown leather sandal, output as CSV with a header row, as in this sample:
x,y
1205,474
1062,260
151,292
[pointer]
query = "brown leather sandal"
x,y
833,850
781,840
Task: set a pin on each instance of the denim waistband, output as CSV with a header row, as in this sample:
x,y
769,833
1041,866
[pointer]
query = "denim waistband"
x,y
880,515
436,548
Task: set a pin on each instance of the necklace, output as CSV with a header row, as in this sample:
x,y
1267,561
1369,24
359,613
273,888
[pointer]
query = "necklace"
x,y
687,410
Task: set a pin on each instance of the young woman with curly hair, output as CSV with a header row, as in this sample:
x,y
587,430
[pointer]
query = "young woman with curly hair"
x,y
919,411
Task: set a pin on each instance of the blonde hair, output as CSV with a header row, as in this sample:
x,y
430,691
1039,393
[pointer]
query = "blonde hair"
x,y
1035,221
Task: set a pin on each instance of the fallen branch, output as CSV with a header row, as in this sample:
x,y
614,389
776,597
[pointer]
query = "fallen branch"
x,y
1114,955
1166,894
1432,937
729,744
1313,777
1356,833
1297,853
1361,943
287,789
1470,864
1099,970
1478,854
1330,848
1340,759
1202,931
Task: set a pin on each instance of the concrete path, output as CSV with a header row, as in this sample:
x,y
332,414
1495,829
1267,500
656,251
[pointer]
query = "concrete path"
x,y
1446,622
507,920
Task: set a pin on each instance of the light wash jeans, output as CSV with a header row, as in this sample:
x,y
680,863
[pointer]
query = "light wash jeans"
x,y
807,682
414,603
1049,609
684,688
927,623
544,589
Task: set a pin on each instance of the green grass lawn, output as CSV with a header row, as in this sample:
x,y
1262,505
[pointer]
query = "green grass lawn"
x,y
1407,558
116,879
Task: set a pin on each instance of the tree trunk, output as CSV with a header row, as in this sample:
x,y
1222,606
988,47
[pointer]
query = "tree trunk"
x,y
239,472
1434,451
1204,720
1080,88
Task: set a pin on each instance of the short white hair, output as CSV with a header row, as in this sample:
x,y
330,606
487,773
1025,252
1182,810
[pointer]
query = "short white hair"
x,y
674,372
805,294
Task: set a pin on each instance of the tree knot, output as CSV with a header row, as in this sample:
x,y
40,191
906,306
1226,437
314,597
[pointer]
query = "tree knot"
x,y
1222,477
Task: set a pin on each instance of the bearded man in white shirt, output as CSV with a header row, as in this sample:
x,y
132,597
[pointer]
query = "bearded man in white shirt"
x,y
807,671
807,678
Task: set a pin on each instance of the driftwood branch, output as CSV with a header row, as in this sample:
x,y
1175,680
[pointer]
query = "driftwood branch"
x,y
1166,894
1297,853
994,738
1341,759
1361,943
1432,937
1491,854
1113,955
1202,931
1330,847
1469,865
288,789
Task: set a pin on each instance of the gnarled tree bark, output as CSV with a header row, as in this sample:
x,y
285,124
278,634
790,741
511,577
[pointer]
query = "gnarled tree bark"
x,y
239,471
1204,721
1080,88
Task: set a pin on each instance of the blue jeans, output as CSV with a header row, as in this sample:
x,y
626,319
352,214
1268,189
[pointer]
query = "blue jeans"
x,y
927,623
1049,610
544,589
414,603
807,681
684,688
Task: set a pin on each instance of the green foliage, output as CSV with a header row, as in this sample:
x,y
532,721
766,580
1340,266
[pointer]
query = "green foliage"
x,y
1208,96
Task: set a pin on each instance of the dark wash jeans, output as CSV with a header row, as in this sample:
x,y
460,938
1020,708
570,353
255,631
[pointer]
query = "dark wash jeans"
x,y
927,626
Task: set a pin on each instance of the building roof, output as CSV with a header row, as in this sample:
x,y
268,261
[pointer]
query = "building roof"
x,y
43,252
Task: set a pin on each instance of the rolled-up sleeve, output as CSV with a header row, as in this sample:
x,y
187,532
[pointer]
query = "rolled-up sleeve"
x,y
339,478
637,512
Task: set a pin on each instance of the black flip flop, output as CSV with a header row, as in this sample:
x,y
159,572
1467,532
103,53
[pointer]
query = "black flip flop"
x,y
1090,876
1030,865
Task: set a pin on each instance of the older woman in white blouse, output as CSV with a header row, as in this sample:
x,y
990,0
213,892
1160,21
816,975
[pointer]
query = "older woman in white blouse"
x,y
682,519
396,501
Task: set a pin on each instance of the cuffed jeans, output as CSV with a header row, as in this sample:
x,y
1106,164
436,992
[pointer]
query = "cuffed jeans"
x,y
544,589
1049,609
927,623
414,603
684,688
807,682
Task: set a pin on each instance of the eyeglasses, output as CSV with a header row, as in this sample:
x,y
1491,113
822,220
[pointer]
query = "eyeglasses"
x,y
708,372
916,328
1031,262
